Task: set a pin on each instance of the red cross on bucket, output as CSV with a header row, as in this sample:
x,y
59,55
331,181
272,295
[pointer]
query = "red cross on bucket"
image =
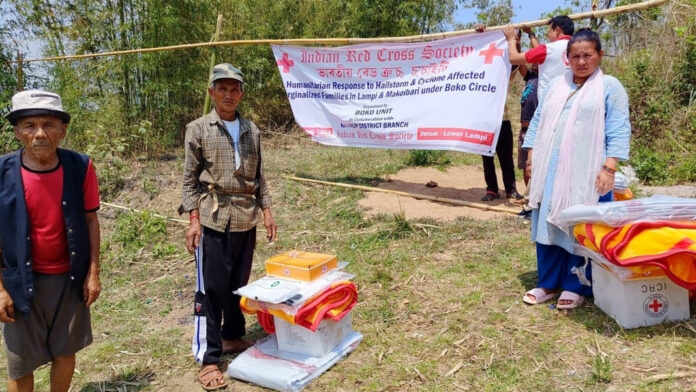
x,y
655,305
285,62
491,53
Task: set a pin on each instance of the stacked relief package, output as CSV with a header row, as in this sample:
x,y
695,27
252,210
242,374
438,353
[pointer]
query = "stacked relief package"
x,y
304,302
643,254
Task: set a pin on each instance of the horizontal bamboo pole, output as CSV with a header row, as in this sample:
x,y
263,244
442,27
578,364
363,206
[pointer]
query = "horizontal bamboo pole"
x,y
446,200
180,221
351,41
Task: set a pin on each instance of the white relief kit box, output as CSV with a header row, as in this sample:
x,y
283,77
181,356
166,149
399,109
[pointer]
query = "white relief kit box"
x,y
301,340
638,301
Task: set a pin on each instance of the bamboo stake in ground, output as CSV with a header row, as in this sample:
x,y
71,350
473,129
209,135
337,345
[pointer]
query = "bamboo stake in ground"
x,y
145,212
216,36
446,200
350,41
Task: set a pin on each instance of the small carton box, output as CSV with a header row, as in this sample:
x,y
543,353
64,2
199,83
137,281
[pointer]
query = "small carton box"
x,y
637,301
299,265
298,339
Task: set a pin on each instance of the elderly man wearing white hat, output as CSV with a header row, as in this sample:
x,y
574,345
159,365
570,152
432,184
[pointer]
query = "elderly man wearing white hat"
x,y
226,195
49,244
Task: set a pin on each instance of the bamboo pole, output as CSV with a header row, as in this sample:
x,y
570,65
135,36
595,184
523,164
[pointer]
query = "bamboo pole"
x,y
216,36
351,41
143,212
446,200
20,72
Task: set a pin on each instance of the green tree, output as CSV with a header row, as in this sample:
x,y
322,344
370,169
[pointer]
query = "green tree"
x,y
492,12
8,86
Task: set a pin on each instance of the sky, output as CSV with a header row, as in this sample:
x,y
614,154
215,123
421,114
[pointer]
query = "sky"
x,y
525,10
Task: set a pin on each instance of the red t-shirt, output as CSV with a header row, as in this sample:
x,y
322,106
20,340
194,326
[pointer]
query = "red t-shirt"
x,y
537,55
43,191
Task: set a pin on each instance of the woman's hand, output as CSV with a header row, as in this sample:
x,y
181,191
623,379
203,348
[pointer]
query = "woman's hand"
x,y
604,182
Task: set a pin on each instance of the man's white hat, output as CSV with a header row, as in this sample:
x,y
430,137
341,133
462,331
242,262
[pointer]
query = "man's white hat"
x,y
36,103
226,71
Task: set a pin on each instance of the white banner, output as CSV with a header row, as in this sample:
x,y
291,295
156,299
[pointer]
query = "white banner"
x,y
439,95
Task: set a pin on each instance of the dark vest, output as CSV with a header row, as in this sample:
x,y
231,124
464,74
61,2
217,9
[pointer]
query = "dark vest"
x,y
17,274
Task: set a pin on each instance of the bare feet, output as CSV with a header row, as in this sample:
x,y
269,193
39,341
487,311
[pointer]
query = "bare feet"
x,y
235,345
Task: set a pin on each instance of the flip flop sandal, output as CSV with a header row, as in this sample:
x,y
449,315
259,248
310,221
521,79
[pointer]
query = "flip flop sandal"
x,y
540,296
570,296
211,382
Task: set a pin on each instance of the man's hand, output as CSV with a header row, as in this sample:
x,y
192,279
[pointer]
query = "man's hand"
x,y
193,235
92,286
271,227
510,33
480,28
527,29
6,307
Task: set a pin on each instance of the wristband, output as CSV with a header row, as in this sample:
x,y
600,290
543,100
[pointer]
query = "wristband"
x,y
608,169
193,216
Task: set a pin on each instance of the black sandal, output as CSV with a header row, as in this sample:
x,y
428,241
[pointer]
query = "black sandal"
x,y
490,196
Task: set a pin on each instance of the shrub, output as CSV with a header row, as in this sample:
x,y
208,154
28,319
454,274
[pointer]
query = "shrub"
x,y
136,232
427,158
685,170
651,167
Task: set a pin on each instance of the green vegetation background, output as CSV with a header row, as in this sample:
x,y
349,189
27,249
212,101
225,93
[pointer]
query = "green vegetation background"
x,y
138,104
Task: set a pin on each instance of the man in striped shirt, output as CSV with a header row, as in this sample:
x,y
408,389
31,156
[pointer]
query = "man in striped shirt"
x,y
226,196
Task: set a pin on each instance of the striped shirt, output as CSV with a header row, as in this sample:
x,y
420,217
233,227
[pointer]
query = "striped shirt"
x,y
224,195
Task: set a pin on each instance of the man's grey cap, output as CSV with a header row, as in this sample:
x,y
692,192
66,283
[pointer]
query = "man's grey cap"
x,y
36,103
226,71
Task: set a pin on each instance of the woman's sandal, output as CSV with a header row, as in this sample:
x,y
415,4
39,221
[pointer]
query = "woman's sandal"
x,y
570,296
211,378
538,295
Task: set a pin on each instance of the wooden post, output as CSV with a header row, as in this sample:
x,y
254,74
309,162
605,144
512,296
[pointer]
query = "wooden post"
x,y
216,37
593,21
20,72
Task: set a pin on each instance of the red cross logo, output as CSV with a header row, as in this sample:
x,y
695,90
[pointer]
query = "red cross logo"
x,y
655,306
491,53
285,62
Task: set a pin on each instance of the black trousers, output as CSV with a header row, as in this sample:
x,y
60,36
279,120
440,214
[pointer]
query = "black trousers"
x,y
507,166
223,265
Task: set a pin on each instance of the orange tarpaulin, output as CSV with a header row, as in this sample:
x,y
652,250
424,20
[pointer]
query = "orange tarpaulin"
x,y
669,245
334,303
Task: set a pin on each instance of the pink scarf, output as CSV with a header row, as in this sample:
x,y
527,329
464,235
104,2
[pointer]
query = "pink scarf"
x,y
581,150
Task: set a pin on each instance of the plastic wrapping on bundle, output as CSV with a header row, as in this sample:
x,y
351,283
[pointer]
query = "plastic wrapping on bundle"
x,y
289,295
333,303
619,213
267,366
621,182
669,245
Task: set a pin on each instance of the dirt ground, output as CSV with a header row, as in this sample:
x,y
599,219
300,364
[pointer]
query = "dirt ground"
x,y
457,182
461,183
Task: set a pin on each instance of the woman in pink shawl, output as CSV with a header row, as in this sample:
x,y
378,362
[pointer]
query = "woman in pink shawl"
x,y
579,133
